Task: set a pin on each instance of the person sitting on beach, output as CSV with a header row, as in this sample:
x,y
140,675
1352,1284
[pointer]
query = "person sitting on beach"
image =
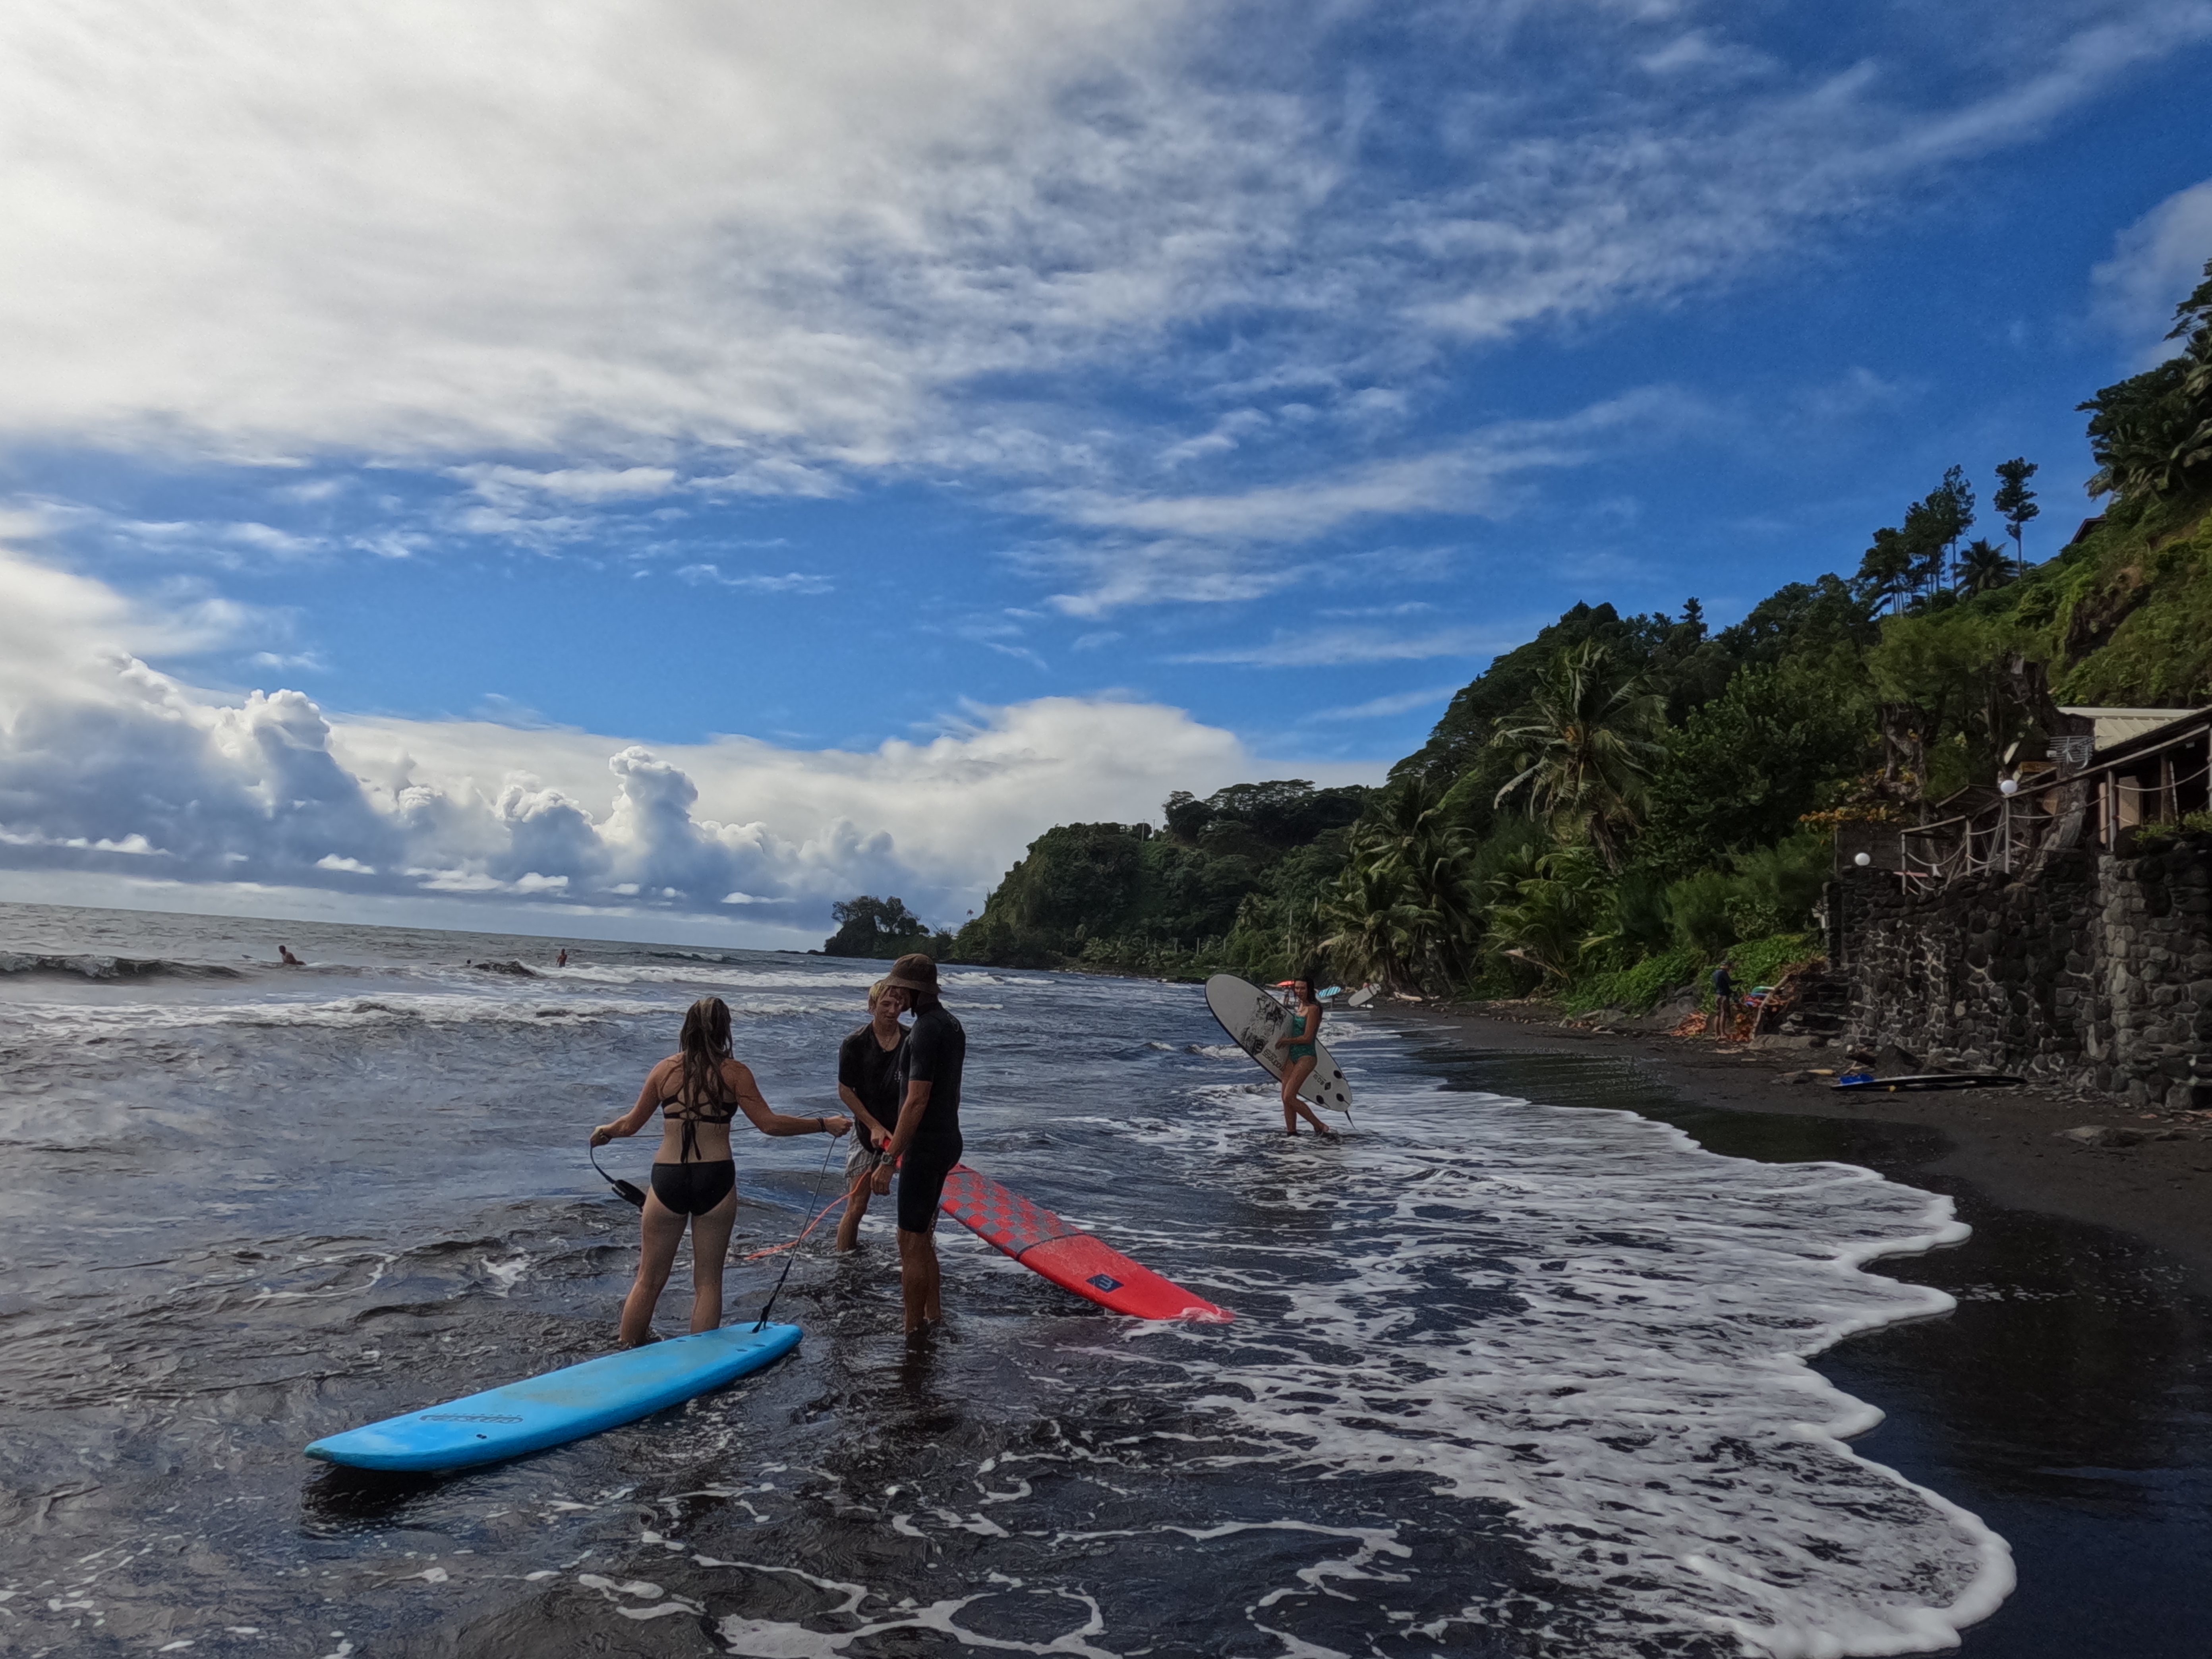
x,y
1300,1057
924,1143
699,1091
284,955
867,1082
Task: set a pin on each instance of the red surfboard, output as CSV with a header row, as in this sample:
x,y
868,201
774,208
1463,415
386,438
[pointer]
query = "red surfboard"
x,y
1069,1257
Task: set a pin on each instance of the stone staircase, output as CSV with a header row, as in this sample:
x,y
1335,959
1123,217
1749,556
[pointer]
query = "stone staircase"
x,y
1818,1011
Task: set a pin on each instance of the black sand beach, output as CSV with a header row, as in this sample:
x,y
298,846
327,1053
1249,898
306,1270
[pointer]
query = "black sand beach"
x,y
2003,1143
2066,1399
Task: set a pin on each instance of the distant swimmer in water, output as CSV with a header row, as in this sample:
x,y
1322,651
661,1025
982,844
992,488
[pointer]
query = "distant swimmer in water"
x,y
1298,1056
699,1090
284,955
867,1082
562,961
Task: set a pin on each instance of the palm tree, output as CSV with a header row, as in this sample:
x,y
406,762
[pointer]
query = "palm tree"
x,y
1887,568
1983,567
1545,911
1410,831
2152,435
1584,745
1379,929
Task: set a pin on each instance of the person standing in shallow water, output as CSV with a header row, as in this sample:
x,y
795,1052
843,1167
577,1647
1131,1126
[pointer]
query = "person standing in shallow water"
x,y
1300,1056
926,1141
868,1084
699,1091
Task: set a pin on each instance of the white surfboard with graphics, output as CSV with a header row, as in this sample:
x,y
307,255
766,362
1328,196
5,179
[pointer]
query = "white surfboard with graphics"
x,y
1255,1020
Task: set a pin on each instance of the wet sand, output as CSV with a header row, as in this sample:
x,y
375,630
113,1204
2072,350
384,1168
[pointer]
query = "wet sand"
x,y
2004,1143
2065,1398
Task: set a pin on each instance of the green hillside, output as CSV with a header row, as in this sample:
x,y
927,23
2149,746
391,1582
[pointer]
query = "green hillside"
x,y
1607,808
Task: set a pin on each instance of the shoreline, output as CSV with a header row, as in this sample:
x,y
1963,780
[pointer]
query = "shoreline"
x,y
2006,1144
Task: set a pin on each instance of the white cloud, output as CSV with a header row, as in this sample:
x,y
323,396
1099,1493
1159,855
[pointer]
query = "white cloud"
x,y
2156,263
792,582
1401,702
341,224
1319,648
107,765
509,485
1224,548
779,246
1464,477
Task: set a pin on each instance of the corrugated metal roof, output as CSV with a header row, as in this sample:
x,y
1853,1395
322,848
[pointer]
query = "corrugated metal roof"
x,y
2119,725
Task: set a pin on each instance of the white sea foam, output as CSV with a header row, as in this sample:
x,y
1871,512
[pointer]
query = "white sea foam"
x,y
741,978
76,1021
1584,1315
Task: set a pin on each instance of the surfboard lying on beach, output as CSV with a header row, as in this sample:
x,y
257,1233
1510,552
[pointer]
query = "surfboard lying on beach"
x,y
561,1406
1068,1256
1876,1085
1256,1019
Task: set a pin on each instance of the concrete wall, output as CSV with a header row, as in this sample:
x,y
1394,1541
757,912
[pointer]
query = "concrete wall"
x,y
2095,971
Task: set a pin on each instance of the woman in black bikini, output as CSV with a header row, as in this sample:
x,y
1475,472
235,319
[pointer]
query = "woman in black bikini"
x,y
699,1091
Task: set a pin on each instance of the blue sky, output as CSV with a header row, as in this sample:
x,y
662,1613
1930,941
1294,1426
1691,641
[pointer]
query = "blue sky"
x,y
1082,410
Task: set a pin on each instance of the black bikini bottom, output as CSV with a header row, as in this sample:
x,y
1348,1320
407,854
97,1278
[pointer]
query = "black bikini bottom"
x,y
694,1189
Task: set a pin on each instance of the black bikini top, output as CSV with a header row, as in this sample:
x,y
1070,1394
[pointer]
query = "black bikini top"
x,y
692,1115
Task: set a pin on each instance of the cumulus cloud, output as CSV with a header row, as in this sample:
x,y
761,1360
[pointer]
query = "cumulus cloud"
x,y
107,765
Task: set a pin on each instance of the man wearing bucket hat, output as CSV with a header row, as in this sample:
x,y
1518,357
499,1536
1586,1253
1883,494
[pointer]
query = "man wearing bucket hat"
x,y
926,1140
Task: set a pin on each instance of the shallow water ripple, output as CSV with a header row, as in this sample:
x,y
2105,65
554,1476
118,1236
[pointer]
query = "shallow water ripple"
x,y
1507,1378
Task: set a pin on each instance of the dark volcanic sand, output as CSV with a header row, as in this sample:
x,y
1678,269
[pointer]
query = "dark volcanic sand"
x,y
2067,1399
2000,1142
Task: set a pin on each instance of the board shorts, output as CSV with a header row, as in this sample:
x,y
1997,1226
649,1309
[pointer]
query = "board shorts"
x,y
860,1160
921,1180
694,1189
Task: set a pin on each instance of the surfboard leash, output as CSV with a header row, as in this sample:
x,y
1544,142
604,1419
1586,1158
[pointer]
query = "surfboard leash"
x,y
626,1190
761,1322
820,1216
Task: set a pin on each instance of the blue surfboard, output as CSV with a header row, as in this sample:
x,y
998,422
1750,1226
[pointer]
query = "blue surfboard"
x,y
561,1406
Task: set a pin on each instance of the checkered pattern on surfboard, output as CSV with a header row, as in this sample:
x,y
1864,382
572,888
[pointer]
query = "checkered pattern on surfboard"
x,y
999,1218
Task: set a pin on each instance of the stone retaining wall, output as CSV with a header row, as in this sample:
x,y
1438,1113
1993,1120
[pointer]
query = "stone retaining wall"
x,y
2095,971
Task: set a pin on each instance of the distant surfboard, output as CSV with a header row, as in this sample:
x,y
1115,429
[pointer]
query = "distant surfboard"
x,y
1256,1019
1069,1257
561,1406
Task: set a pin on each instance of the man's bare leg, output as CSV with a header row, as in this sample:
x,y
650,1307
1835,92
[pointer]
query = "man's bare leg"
x,y
856,1207
919,1280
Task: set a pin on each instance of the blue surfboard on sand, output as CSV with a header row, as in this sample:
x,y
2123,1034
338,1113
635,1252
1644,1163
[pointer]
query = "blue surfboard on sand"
x,y
561,1406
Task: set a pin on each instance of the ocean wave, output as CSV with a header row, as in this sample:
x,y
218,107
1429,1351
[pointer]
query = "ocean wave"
x,y
1588,1318
92,966
78,1020
610,973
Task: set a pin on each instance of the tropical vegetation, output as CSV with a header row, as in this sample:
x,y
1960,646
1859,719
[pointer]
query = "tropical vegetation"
x,y
1604,811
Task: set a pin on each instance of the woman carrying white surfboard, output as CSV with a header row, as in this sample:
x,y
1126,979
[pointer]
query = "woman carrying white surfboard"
x,y
699,1090
1299,1057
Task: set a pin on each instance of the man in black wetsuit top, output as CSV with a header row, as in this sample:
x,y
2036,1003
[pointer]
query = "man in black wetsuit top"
x,y
927,1134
